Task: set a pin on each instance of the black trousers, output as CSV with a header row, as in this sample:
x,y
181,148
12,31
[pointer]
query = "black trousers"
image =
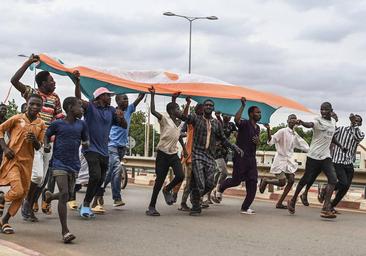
x,y
162,164
314,167
98,166
345,176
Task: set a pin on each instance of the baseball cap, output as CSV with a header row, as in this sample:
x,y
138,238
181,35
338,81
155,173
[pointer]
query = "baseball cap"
x,y
100,91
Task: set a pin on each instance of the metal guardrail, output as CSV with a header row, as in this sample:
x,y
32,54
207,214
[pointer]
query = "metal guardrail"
x,y
148,163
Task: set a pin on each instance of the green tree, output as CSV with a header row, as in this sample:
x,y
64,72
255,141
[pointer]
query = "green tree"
x,y
12,108
137,131
305,134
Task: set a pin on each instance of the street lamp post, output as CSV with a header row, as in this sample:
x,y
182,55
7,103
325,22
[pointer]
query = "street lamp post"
x,y
190,19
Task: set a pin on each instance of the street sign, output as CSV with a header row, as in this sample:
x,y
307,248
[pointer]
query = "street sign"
x,y
131,142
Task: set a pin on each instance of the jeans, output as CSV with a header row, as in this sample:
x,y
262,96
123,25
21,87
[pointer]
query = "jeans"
x,y
113,176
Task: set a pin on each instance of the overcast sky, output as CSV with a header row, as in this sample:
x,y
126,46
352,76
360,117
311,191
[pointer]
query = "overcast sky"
x,y
310,51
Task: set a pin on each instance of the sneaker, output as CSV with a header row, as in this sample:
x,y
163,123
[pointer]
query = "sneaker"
x,y
168,197
304,200
98,209
184,207
151,211
72,205
118,203
216,196
195,211
248,212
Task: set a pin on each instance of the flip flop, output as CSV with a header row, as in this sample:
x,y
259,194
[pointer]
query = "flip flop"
x,y
2,203
7,229
68,237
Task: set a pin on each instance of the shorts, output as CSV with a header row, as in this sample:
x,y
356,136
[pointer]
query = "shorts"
x,y
71,178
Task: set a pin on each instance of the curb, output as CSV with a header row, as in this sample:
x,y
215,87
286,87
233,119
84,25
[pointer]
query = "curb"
x,y
17,248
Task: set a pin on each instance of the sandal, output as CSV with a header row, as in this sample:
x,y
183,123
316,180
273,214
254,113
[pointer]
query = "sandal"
x,y
68,237
7,229
46,208
281,206
2,203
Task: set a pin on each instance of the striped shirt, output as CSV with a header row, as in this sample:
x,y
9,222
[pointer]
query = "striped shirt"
x,y
51,109
349,137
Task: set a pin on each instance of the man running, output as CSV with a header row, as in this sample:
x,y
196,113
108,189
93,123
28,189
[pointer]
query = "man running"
x,y
350,136
51,110
69,134
167,152
117,147
319,158
244,167
26,135
284,165
207,131
99,117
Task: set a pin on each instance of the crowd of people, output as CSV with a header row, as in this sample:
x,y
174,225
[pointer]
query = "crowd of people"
x,y
41,149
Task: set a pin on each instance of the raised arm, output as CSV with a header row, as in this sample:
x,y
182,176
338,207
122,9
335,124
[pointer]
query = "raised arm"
x,y
186,107
152,104
175,96
139,99
15,80
240,111
121,121
269,135
75,77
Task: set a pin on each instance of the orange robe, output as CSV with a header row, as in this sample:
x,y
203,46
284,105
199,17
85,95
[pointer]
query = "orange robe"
x,y
17,172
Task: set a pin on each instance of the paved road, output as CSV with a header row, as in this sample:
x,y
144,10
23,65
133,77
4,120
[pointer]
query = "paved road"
x,y
222,230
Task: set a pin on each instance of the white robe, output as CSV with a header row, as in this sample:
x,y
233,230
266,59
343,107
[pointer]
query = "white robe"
x,y
285,141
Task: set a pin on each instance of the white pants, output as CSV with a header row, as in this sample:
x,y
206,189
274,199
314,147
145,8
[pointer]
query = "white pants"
x,y
40,166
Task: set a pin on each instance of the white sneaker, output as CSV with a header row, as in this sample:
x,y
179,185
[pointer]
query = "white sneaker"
x,y
216,196
248,212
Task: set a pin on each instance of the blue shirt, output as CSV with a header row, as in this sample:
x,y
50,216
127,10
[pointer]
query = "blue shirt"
x,y
118,137
67,143
99,121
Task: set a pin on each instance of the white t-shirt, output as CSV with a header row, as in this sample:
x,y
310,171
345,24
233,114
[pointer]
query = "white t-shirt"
x,y
169,135
323,132
285,141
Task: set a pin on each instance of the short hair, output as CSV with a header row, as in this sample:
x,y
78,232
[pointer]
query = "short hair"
x,y
208,100
171,106
3,105
35,96
69,102
42,77
251,109
199,105
120,95
327,104
359,117
290,116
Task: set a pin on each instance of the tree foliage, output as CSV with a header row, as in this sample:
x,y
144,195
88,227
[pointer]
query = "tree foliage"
x,y
12,109
305,134
137,131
